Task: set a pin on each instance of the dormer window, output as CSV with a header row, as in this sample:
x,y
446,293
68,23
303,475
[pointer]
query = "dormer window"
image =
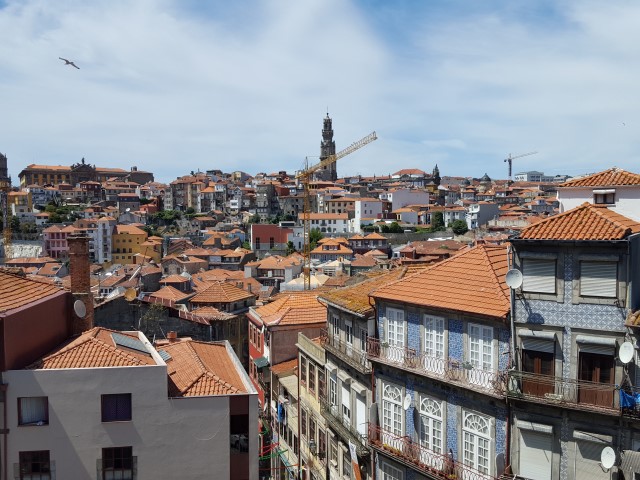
x,y
604,196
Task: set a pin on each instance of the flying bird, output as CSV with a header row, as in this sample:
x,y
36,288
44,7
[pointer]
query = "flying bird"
x,y
69,62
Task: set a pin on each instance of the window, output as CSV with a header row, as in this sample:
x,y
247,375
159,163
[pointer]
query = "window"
x,y
239,433
335,325
312,428
257,243
392,410
539,275
596,368
33,411
35,465
116,407
346,464
604,197
322,384
348,332
475,431
322,444
537,363
363,339
272,242
431,428
481,346
303,422
598,279
391,473
333,454
395,334
312,377
118,463
346,404
303,370
333,389
434,343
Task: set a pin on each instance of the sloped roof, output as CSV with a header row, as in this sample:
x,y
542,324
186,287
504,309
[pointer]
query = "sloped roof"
x,y
585,222
202,369
93,349
292,308
608,178
17,291
170,293
221,292
472,281
355,298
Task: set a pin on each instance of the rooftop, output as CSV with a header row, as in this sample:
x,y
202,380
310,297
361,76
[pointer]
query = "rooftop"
x,y
470,282
17,291
610,178
585,222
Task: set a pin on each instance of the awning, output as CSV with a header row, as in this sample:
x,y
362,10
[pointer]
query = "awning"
x,y
261,362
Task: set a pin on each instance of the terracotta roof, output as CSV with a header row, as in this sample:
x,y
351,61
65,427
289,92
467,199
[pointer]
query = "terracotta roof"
x,y
174,279
221,292
202,369
284,367
364,261
472,281
96,348
212,313
585,222
17,291
292,308
170,293
355,298
612,177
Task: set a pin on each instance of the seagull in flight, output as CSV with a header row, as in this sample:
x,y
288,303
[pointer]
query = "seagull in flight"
x,y
69,62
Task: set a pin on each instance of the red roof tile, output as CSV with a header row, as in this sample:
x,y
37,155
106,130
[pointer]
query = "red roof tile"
x,y
472,281
611,177
17,291
586,222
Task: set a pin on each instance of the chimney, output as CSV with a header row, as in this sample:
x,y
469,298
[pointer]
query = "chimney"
x,y
172,336
80,281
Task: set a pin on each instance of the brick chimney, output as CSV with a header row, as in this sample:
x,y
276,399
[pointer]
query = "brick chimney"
x,y
80,280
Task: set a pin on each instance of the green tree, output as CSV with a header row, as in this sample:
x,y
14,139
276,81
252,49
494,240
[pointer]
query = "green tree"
x,y
459,227
290,247
55,218
315,235
14,223
190,211
437,223
395,228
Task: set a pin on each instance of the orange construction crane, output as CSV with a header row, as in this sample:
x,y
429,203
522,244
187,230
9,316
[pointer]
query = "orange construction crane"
x,y
304,177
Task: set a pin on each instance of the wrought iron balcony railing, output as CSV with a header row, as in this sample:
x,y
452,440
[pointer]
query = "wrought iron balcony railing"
x,y
432,464
346,351
491,382
570,393
346,429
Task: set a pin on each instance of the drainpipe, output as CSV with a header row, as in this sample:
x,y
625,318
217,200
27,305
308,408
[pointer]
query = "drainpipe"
x,y
373,384
5,431
512,299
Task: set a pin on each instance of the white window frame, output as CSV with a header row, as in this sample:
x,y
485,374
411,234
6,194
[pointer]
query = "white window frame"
x,y
476,441
335,325
348,332
333,389
392,412
430,431
480,344
389,472
395,334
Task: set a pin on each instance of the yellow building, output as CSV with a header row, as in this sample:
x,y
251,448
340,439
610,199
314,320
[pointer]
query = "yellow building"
x,y
126,242
19,203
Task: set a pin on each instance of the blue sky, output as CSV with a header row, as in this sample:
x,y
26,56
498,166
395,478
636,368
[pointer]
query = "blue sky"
x,y
171,86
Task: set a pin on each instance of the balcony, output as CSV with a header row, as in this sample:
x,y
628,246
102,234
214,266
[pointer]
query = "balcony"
x,y
462,374
413,455
332,415
568,393
346,352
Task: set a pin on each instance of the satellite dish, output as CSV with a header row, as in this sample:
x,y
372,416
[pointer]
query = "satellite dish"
x,y
513,278
625,352
607,457
130,294
407,401
80,308
127,209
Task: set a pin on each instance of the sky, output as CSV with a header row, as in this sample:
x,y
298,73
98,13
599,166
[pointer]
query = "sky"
x,y
174,86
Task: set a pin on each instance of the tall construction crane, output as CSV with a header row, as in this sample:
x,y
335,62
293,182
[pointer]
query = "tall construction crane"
x,y
305,177
511,158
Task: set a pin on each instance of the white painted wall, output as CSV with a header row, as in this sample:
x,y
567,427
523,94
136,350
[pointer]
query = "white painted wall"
x,y
186,438
627,199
